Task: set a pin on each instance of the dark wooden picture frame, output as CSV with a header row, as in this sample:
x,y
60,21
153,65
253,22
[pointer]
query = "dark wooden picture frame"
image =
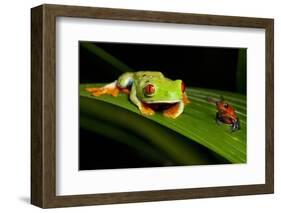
x,y
43,105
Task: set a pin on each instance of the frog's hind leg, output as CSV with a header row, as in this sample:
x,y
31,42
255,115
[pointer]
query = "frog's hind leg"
x,y
109,89
174,111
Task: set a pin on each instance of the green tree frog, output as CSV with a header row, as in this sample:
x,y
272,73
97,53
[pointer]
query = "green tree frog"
x,y
148,90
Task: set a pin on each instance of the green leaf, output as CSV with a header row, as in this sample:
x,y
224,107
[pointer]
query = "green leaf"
x,y
192,138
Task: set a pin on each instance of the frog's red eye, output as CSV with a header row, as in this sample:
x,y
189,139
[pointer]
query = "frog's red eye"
x,y
183,86
149,89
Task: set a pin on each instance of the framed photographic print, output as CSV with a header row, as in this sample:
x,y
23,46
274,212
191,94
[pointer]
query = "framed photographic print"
x,y
135,106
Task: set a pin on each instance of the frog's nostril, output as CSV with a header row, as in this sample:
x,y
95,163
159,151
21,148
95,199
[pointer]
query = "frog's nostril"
x,y
149,89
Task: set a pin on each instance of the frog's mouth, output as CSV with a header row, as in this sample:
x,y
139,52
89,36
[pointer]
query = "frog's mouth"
x,y
161,102
160,106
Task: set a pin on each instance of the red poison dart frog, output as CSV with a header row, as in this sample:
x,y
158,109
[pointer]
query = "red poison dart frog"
x,y
226,114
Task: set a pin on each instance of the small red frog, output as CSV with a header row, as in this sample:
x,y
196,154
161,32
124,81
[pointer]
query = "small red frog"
x,y
226,114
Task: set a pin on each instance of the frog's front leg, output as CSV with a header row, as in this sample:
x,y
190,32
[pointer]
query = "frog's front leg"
x,y
144,109
218,119
175,110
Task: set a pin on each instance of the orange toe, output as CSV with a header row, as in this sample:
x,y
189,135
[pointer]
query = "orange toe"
x,y
172,112
146,110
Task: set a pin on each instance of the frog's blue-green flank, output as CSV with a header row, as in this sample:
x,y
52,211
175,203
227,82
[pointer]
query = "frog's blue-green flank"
x,y
147,88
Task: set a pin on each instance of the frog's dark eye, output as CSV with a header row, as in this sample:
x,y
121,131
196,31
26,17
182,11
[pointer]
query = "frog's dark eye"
x,y
183,86
149,89
225,106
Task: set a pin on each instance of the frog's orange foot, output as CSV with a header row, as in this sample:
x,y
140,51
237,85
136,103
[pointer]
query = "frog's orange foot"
x,y
114,91
146,110
173,111
185,99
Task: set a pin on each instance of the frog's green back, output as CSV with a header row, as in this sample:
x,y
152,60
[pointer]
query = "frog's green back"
x,y
141,74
